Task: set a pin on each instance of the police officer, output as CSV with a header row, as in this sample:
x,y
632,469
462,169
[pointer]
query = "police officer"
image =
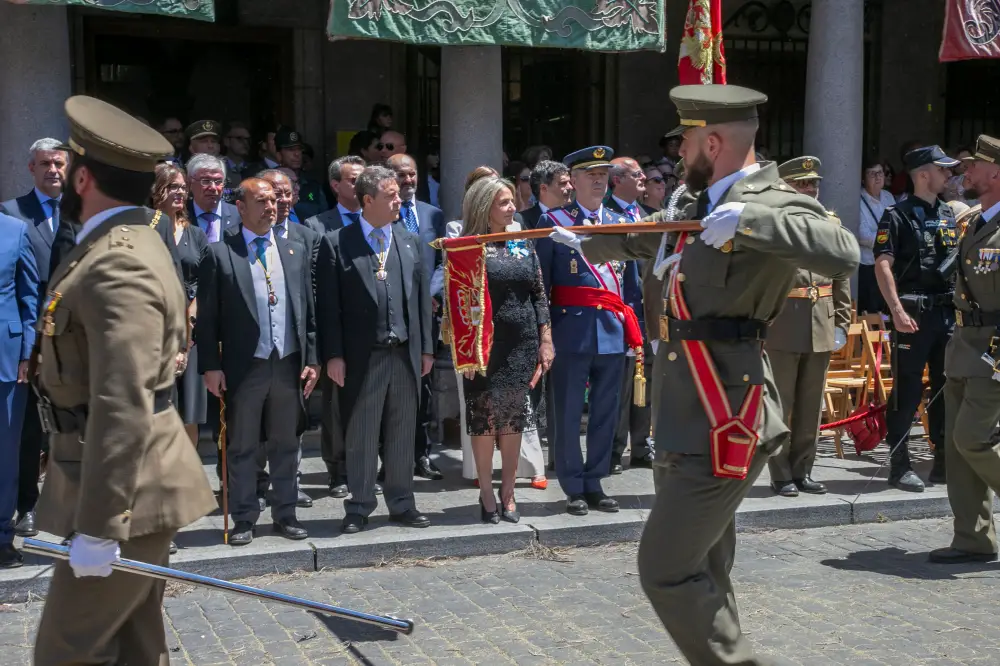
x,y
123,476
812,324
311,200
717,396
914,239
972,390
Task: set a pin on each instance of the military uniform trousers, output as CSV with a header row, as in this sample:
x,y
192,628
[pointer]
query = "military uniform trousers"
x,y
270,392
911,352
633,421
113,620
801,381
973,455
569,375
687,552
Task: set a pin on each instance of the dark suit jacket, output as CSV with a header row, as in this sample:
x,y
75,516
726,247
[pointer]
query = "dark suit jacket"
x,y
29,209
227,311
432,227
529,217
330,220
230,216
348,306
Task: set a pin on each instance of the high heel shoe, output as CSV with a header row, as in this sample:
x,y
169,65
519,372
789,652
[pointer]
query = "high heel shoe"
x,y
489,516
510,515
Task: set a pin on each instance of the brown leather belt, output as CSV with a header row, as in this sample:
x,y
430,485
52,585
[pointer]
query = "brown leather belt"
x,y
812,293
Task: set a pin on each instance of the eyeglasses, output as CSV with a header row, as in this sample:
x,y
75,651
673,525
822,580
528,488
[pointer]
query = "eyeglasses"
x,y
524,179
875,173
380,146
176,187
210,182
655,179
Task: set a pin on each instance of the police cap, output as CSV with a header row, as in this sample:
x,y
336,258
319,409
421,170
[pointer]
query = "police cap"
x,y
201,128
107,134
713,104
286,137
801,168
987,150
927,155
590,158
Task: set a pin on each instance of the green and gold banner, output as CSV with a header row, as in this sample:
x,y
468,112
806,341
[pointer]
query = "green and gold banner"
x,y
593,25
203,10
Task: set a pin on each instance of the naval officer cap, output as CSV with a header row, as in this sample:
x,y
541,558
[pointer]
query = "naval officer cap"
x,y
201,128
714,104
590,158
801,168
987,150
928,155
107,134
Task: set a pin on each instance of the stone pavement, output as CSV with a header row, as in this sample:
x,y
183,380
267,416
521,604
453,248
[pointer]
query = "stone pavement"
x,y
856,595
456,531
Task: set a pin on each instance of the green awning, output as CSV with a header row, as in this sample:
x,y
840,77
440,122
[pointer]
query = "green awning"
x,y
593,25
203,10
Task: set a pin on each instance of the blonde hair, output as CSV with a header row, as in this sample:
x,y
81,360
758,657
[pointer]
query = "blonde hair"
x,y
478,201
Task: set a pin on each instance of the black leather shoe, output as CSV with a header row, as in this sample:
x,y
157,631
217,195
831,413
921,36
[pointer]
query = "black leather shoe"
x,y
955,556
807,485
353,523
616,466
26,525
290,528
10,557
601,502
784,488
426,469
241,534
576,505
908,481
173,548
938,474
303,501
492,517
410,518
338,490
645,460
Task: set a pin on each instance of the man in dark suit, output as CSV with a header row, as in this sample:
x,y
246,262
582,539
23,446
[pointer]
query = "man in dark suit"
x,y
254,297
206,208
375,337
627,184
551,185
426,223
39,209
343,174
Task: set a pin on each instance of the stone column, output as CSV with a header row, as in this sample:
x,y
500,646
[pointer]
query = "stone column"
x,y
471,118
34,83
834,115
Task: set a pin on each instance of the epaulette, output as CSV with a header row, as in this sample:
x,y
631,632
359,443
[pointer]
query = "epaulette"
x,y
122,236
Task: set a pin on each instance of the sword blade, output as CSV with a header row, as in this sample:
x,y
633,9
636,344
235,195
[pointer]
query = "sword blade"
x,y
60,552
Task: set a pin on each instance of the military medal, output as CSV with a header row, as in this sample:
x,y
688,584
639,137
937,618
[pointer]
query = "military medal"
x,y
49,327
381,274
572,266
272,298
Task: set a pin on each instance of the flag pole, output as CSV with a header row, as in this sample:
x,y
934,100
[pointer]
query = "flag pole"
x,y
599,229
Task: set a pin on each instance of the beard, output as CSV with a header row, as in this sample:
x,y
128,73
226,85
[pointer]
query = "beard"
x,y
71,205
698,173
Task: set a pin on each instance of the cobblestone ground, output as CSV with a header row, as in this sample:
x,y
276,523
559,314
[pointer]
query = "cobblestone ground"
x,y
850,595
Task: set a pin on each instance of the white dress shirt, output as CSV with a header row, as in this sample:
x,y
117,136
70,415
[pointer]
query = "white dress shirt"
x,y
868,226
274,321
92,223
214,229
50,214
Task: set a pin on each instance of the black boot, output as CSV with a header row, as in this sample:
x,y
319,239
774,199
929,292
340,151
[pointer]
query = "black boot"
x,y
938,475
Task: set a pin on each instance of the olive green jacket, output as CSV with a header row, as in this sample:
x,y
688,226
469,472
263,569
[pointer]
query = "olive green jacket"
x,y
963,357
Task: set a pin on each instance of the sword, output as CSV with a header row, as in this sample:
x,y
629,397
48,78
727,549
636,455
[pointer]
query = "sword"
x,y
60,552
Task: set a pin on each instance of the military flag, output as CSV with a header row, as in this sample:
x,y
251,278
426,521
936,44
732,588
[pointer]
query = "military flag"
x,y
703,57
971,30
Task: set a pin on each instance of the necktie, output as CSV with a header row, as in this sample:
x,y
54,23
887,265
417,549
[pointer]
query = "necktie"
x,y
54,207
208,226
282,230
377,240
352,218
408,218
703,206
260,249
632,211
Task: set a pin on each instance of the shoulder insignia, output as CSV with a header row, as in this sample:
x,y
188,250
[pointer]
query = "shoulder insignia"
x,y
123,237
882,236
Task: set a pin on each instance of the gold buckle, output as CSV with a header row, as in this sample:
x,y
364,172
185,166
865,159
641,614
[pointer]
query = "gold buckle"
x,y
665,328
958,318
813,294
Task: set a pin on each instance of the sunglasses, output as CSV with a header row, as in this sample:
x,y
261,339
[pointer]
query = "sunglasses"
x,y
656,179
524,179
380,146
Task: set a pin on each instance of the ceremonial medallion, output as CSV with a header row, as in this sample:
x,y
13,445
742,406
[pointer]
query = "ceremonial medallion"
x,y
381,275
272,298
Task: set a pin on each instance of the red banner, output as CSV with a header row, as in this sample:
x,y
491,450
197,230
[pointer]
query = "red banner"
x,y
468,318
971,30
703,55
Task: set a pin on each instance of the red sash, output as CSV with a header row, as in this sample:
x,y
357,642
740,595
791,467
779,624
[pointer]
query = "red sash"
x,y
734,438
602,299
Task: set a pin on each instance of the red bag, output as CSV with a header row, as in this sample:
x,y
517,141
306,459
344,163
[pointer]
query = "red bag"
x,y
867,433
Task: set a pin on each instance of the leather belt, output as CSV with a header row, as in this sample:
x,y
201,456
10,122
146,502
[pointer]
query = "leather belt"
x,y
976,318
391,343
712,330
813,293
62,420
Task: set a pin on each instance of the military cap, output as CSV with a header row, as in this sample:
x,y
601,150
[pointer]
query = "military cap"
x,y
801,168
712,104
590,158
107,134
987,149
201,128
286,137
927,155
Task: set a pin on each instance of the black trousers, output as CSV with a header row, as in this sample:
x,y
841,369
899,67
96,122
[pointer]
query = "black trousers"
x,y
910,353
870,299
332,447
33,442
421,442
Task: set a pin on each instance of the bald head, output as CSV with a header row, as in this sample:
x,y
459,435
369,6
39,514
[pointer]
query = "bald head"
x,y
406,175
628,181
257,204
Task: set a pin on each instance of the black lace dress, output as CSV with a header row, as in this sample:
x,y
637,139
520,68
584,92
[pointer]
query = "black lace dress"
x,y
498,402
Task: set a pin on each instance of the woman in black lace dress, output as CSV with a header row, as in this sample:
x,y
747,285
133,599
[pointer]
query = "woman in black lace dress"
x,y
497,403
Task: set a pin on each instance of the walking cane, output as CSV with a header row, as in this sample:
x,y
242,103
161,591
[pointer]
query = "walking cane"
x,y
225,467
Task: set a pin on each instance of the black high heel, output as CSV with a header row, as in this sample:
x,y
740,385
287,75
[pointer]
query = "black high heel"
x,y
488,516
510,515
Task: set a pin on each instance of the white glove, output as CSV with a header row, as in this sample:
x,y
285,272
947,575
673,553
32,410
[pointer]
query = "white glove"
x,y
720,225
655,344
661,267
89,556
454,229
839,339
567,238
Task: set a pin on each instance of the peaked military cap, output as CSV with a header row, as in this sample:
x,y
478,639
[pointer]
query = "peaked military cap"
x,y
801,168
713,104
201,128
108,135
286,137
927,155
987,149
590,158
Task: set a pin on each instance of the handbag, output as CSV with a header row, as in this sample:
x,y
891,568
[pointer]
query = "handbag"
x,y
869,431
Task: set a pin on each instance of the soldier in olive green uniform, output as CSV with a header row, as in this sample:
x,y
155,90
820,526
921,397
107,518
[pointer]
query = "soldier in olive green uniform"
x,y
733,278
972,388
813,323
123,476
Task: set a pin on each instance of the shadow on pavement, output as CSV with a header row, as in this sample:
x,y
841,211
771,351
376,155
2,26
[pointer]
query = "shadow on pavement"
x,y
899,563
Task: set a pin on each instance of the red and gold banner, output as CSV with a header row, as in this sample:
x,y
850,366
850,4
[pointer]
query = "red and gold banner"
x,y
468,315
971,30
703,56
